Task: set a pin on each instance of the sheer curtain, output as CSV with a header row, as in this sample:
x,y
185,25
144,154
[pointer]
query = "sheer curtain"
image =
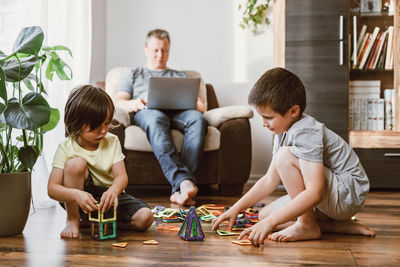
x,y
68,23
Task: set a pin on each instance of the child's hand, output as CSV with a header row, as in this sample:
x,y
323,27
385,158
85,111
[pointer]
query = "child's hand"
x,y
86,201
258,232
107,199
229,215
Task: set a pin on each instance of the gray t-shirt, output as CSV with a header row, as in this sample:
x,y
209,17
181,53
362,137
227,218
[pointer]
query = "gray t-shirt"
x,y
313,141
136,82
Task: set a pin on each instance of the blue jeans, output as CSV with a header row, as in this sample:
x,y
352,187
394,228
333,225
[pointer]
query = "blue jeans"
x,y
157,125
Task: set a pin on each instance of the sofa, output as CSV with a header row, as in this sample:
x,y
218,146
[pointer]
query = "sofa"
x,y
226,160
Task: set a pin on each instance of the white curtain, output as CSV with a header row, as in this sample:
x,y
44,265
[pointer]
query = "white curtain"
x,y
67,23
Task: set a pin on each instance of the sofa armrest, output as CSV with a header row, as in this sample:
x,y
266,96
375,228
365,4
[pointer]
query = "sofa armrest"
x,y
122,116
217,116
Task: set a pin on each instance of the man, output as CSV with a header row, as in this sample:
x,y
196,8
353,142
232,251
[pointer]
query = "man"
x,y
178,168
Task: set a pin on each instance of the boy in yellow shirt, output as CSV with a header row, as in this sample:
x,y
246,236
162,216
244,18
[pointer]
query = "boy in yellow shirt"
x,y
88,167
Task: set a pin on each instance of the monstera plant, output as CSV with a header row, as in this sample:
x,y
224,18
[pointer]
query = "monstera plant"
x,y
25,116
23,106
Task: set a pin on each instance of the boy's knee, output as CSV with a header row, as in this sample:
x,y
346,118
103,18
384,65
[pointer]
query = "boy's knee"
x,y
142,219
76,165
265,212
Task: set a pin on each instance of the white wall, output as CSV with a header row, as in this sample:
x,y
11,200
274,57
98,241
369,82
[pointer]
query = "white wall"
x,y
205,37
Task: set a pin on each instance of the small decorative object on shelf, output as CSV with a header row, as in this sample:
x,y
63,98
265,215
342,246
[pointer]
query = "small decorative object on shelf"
x,y
103,225
371,6
191,228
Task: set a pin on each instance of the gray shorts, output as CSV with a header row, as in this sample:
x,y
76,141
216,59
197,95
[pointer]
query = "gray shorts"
x,y
331,205
127,204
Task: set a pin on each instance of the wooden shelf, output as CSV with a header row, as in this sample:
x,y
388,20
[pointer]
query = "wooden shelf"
x,y
374,139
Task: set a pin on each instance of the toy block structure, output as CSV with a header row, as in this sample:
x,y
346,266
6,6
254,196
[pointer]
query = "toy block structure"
x,y
191,228
103,225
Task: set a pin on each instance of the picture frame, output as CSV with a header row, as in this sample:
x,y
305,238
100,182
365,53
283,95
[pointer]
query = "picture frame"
x,y
370,6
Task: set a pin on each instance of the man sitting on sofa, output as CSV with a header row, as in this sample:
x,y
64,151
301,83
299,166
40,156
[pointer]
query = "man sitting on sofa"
x,y
178,168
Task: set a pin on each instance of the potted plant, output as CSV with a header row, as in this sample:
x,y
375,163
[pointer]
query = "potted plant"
x,y
254,15
25,116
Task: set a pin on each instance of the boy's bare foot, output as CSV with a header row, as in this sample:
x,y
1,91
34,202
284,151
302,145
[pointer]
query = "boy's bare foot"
x,y
71,229
297,232
184,196
345,227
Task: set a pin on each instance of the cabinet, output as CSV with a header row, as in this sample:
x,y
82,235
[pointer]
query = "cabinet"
x,y
313,39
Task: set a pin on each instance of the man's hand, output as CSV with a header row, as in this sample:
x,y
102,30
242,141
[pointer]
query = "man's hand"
x,y
86,201
258,232
230,215
137,104
107,199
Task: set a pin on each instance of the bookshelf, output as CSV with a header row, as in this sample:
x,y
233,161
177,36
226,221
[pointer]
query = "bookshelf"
x,y
389,78
313,38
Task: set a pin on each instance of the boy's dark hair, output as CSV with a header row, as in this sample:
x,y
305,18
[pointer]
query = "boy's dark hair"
x,y
87,105
159,34
280,89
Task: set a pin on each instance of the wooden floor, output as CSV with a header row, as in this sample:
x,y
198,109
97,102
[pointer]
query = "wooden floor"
x,y
40,245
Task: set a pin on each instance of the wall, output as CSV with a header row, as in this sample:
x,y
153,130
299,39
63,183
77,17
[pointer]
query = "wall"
x,y
205,37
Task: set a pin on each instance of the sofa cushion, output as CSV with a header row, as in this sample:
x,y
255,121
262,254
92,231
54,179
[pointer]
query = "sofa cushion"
x,y
136,140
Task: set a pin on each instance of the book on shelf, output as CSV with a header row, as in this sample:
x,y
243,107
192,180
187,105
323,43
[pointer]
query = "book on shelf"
x,y
368,48
374,52
363,48
388,95
357,45
389,52
381,60
364,104
381,45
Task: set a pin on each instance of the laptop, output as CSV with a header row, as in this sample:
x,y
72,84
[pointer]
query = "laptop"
x,y
173,93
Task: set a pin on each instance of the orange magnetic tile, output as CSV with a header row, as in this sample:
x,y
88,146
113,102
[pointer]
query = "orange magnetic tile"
x,y
150,242
120,245
244,242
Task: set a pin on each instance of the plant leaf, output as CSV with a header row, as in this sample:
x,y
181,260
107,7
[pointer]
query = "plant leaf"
x,y
11,68
3,91
28,156
29,40
50,70
62,48
54,119
34,112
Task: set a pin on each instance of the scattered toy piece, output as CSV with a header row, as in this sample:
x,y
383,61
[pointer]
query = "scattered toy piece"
x,y
120,245
354,218
173,228
191,228
244,242
226,233
150,242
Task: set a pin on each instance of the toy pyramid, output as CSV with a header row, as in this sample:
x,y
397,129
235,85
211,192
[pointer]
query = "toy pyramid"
x,y
191,227
103,225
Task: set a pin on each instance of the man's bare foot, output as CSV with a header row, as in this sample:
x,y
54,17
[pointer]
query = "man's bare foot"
x,y
297,232
71,229
178,198
345,227
188,191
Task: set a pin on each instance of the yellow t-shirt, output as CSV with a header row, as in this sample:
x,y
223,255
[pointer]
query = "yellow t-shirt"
x,y
99,161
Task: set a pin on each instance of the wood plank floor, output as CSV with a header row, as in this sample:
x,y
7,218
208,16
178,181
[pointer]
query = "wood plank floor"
x,y
40,245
